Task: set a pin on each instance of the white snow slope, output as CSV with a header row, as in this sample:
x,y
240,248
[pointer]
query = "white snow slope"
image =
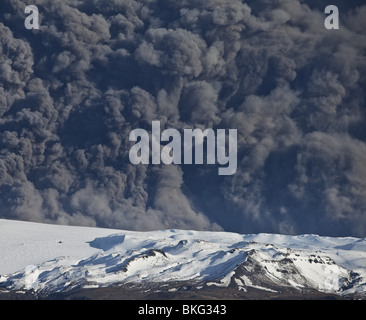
x,y
54,258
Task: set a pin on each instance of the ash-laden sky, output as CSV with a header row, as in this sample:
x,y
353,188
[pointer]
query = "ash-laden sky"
x,y
72,91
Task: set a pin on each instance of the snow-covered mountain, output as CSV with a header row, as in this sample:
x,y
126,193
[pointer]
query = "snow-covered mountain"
x,y
46,259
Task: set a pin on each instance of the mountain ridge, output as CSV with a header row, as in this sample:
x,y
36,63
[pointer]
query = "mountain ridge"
x,y
54,260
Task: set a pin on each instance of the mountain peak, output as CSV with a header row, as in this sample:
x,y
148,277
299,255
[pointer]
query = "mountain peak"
x,y
69,258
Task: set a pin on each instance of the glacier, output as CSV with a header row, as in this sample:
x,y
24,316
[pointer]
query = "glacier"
x,y
46,259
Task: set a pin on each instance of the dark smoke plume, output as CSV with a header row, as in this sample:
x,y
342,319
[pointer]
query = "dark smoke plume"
x,y
72,91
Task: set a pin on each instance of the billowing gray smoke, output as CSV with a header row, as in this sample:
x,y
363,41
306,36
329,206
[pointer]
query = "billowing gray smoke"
x,y
72,91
